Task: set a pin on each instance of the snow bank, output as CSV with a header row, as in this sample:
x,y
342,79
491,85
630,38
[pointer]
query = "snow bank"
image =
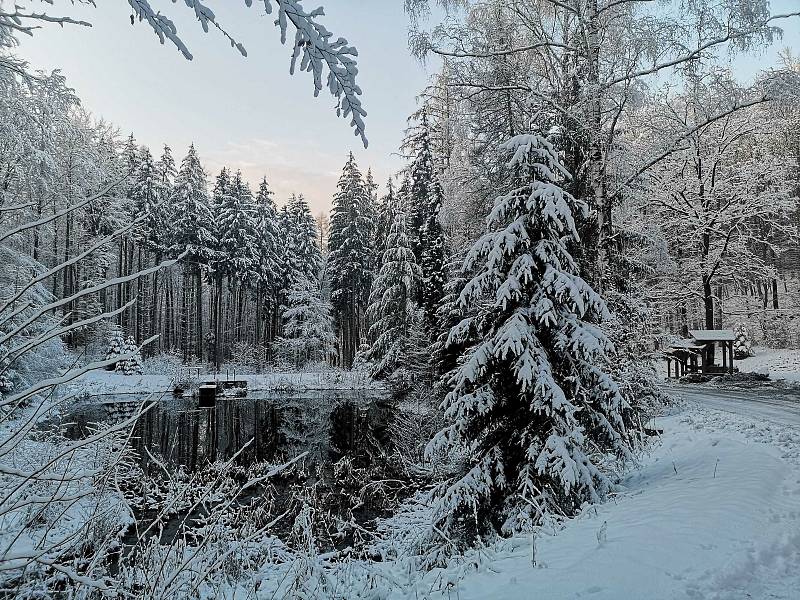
x,y
714,513
779,364
108,382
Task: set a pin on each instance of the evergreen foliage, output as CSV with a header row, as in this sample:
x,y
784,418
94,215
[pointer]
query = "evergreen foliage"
x,y
742,345
194,229
268,241
236,228
303,257
425,198
349,262
392,306
529,399
308,335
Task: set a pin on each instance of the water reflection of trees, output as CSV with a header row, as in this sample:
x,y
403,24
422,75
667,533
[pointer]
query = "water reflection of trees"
x,y
348,475
178,433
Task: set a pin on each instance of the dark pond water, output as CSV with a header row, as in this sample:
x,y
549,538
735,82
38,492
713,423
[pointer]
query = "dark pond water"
x,y
326,425
272,428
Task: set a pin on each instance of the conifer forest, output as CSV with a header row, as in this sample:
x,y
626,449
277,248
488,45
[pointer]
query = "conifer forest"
x,y
518,319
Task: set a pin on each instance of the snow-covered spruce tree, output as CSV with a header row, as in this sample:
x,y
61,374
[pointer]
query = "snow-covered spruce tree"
x,y
349,262
301,254
147,193
391,303
425,204
132,365
116,346
307,325
193,233
433,261
235,257
529,400
236,230
742,345
268,244
385,214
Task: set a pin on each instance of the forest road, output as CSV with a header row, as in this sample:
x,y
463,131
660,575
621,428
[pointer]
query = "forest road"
x,y
775,405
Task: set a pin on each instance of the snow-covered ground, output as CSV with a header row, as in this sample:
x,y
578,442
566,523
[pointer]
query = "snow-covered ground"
x,y
714,513
780,364
108,382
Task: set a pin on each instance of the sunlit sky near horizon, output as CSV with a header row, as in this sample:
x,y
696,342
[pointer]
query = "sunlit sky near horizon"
x,y
249,113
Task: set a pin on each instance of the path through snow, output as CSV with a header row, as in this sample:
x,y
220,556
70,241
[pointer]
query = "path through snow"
x,y
713,514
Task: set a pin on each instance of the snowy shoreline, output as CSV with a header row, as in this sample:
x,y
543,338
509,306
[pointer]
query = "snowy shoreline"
x,y
108,383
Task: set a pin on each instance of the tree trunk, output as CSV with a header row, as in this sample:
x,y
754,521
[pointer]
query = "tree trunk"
x,y
198,351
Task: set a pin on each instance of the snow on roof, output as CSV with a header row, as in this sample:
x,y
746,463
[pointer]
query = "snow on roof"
x,y
713,335
687,344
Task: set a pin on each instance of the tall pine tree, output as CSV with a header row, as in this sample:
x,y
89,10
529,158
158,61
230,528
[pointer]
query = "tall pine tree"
x,y
308,334
269,245
425,198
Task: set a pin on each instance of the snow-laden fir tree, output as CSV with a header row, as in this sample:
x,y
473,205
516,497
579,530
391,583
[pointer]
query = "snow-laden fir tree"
x,y
193,233
392,301
370,211
349,262
270,248
308,335
529,400
433,260
425,198
166,174
742,345
132,363
194,223
385,214
115,345
303,257
126,350
236,227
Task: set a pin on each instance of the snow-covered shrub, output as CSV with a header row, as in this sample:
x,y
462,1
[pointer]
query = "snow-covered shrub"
x,y
132,365
116,346
126,349
742,345
166,363
247,357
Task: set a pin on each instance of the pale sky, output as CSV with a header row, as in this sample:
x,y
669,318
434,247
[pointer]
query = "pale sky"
x,y
246,113
249,113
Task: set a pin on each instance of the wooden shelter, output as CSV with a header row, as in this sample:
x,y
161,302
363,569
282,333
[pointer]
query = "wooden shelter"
x,y
685,356
697,354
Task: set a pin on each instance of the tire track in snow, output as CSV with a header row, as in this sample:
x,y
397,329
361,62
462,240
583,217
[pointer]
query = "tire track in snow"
x,y
775,406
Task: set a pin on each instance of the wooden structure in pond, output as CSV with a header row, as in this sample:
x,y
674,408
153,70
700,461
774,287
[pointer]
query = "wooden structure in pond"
x,y
697,354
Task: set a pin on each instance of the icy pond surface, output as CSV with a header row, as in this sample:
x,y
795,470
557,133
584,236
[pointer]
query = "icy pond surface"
x,y
271,426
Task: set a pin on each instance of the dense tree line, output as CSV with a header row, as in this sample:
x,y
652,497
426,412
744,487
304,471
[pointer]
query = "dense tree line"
x,y
245,264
